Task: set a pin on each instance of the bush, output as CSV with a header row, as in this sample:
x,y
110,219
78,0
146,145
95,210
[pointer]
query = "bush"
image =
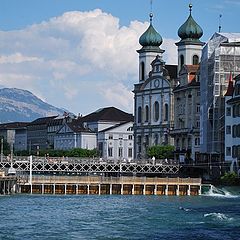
x,y
230,178
161,151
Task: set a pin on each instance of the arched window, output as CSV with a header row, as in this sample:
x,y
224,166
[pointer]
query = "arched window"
x,y
181,60
142,71
146,113
139,114
156,111
166,112
195,60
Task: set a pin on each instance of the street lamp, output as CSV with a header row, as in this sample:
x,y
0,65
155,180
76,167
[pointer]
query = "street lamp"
x,y
1,149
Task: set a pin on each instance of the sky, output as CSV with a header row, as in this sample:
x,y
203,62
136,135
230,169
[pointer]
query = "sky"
x,y
80,55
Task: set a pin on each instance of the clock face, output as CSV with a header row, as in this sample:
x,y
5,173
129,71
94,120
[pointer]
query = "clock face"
x,y
156,83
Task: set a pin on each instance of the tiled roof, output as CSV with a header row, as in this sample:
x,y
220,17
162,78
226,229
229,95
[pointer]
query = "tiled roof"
x,y
230,88
44,120
108,114
13,125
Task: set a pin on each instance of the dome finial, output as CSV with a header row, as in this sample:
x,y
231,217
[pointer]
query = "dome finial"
x,y
190,8
151,17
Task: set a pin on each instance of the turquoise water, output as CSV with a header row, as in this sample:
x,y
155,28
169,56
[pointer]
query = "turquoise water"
x,y
119,217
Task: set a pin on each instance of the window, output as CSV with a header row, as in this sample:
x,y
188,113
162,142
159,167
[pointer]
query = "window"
x,y
166,112
146,114
120,152
142,69
130,137
198,124
156,139
198,108
181,60
228,151
156,111
120,137
110,151
228,111
195,60
110,136
130,152
139,114
228,129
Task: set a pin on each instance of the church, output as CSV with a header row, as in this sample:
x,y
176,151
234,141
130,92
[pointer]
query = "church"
x,y
154,102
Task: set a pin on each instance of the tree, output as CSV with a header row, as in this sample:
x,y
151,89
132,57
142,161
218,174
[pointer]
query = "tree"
x,y
161,151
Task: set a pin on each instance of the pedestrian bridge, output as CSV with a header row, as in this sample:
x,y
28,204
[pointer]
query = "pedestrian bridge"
x,y
65,165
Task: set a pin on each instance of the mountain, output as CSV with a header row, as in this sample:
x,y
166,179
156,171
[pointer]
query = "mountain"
x,y
21,105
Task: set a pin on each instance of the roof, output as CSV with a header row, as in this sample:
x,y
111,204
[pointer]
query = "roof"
x,y
230,88
77,126
108,114
115,126
44,120
13,125
192,68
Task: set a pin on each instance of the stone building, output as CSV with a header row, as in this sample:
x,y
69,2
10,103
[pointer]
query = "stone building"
x,y
153,98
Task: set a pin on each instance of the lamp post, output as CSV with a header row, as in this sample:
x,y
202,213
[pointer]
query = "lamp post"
x,y
1,149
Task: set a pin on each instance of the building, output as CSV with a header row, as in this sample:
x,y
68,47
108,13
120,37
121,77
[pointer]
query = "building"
x,y
232,120
37,134
116,142
73,134
54,126
187,92
186,131
15,134
109,121
220,56
153,98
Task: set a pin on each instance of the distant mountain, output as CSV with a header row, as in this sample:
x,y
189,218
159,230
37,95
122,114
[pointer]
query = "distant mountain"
x,y
21,105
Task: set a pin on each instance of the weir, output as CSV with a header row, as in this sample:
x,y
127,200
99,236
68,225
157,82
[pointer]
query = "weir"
x,y
8,184
99,185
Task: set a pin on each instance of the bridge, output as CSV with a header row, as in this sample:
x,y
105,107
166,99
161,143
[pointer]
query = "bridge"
x,y
64,165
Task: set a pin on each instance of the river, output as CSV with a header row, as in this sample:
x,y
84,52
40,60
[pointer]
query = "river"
x,y
210,216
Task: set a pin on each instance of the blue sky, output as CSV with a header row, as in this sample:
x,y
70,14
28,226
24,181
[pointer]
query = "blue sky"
x,y
74,56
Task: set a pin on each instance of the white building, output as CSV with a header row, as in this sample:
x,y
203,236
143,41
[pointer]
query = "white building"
x,y
117,142
232,120
115,122
220,56
74,135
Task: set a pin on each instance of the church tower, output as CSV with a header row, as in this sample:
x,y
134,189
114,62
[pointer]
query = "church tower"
x,y
189,47
152,95
150,42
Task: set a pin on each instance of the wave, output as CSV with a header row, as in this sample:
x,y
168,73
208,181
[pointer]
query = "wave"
x,y
218,216
218,192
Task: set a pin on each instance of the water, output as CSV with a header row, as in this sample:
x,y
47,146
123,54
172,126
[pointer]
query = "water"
x,y
120,217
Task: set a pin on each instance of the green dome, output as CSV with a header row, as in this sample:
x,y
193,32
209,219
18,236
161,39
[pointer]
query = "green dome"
x,y
190,30
150,37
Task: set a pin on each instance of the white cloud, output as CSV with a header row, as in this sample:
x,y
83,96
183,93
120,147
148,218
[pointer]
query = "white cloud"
x,y
80,61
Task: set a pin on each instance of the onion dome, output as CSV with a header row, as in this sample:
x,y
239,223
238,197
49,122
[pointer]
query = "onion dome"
x,y
150,38
190,30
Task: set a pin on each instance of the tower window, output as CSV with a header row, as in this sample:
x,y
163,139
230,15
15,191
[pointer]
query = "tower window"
x,y
146,114
195,60
181,60
156,111
142,73
139,114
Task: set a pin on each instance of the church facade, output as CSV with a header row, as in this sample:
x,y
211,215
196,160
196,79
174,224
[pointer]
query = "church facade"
x,y
153,98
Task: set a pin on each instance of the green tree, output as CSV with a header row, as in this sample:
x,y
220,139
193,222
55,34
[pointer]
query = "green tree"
x,y
230,178
161,151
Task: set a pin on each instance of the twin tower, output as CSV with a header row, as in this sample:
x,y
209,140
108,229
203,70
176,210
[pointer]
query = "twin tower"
x,y
153,94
